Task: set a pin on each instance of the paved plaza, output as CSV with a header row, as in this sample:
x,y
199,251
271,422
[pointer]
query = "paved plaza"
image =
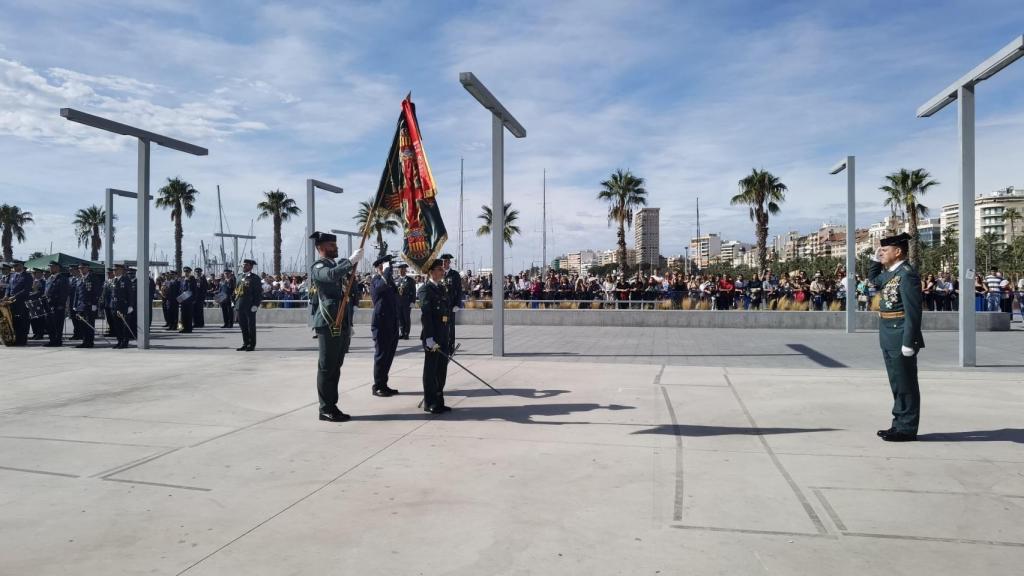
x,y
630,451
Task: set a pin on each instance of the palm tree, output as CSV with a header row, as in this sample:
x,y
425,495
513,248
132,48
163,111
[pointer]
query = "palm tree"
x,y
1011,215
904,190
89,222
623,191
281,208
762,192
180,197
381,220
12,227
510,222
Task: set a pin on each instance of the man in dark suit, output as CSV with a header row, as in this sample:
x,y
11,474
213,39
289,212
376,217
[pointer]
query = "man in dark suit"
x,y
435,336
384,325
225,293
87,300
56,292
199,307
19,285
249,294
452,281
186,298
899,333
406,298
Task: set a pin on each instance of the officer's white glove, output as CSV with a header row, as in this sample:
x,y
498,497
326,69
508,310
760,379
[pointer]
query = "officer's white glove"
x,y
456,308
386,265
907,351
875,257
93,308
430,344
356,256
130,309
254,308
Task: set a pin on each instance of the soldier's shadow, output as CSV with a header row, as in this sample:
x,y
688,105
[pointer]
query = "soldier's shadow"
x,y
698,431
1015,435
522,414
518,392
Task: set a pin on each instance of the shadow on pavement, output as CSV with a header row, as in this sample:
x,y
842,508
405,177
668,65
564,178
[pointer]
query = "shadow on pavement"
x,y
523,414
520,392
1001,435
701,431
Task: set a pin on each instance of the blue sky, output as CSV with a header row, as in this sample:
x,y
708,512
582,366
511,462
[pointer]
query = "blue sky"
x,y
689,95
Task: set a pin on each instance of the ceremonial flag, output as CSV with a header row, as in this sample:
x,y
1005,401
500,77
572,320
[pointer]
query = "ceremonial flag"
x,y
407,188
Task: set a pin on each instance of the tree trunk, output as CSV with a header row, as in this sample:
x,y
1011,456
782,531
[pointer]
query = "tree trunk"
x,y
8,236
178,235
762,241
915,248
277,245
622,247
96,243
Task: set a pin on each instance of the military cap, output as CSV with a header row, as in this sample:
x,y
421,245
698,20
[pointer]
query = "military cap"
x,y
55,263
84,265
435,264
17,262
403,265
447,257
227,271
40,270
383,259
186,269
321,237
5,264
899,240
248,261
119,265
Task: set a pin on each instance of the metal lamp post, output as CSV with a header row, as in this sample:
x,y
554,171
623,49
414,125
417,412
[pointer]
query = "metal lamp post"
x,y
144,299
350,235
108,231
849,164
311,186
962,92
502,119
234,238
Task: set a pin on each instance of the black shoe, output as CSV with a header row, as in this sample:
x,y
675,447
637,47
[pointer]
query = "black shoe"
x,y
899,437
336,416
84,345
882,433
434,409
382,392
391,391
250,349
50,345
242,349
446,408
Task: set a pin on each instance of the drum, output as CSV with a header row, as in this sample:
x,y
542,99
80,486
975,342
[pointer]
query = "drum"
x,y
6,324
37,308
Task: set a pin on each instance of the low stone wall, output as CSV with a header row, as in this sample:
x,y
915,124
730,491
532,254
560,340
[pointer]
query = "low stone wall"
x,y
986,321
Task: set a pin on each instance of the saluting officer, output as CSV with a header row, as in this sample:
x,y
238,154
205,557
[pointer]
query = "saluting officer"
x,y
19,284
406,298
328,281
899,333
56,292
453,287
87,298
249,294
436,338
384,325
122,305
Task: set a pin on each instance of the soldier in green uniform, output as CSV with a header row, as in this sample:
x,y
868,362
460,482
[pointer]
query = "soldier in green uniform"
x,y
435,305
899,333
248,295
328,282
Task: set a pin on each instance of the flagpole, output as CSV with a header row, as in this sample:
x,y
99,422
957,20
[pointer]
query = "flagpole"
x,y
461,211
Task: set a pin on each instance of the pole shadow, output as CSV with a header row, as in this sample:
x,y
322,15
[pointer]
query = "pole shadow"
x,y
1015,435
697,431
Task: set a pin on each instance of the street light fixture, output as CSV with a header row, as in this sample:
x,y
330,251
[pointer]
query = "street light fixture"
x,y
350,235
312,185
501,119
849,164
108,232
962,92
234,238
144,302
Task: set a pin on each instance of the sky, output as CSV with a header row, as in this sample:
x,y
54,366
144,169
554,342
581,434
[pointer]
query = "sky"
x,y
690,96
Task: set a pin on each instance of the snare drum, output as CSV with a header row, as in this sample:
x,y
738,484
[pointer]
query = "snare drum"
x,y
37,308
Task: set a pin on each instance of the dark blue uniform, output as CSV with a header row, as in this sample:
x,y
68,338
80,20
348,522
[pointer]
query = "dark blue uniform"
x,y
453,289
436,320
19,284
87,300
225,291
199,307
56,293
187,285
384,327
406,298
121,302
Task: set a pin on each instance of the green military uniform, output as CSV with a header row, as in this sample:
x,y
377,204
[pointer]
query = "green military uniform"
x,y
328,281
436,336
899,328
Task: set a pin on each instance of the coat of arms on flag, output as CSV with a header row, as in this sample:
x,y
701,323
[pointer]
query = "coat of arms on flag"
x,y
407,188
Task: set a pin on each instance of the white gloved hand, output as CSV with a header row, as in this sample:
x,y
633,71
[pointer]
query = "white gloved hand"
x,y
386,265
875,257
456,308
93,308
254,308
430,344
907,351
356,256
130,309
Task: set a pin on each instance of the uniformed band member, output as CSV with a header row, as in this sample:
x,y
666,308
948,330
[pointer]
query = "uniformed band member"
x,y
73,277
19,285
406,298
122,304
187,291
899,333
436,338
87,299
56,293
384,325
225,295
453,287
248,296
36,295
328,282
199,306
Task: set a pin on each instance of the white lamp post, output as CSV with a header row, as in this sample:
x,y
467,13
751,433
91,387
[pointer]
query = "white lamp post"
x,y
311,186
848,164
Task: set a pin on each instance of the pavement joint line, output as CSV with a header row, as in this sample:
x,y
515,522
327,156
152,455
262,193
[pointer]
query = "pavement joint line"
x,y
158,484
82,441
829,510
912,491
755,531
886,457
778,463
935,539
677,501
248,426
134,463
44,472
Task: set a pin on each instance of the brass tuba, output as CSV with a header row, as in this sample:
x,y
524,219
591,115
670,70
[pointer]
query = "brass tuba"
x,y
6,323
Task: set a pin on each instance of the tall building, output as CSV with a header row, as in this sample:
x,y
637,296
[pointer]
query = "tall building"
x,y
929,230
646,236
988,214
580,262
704,248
